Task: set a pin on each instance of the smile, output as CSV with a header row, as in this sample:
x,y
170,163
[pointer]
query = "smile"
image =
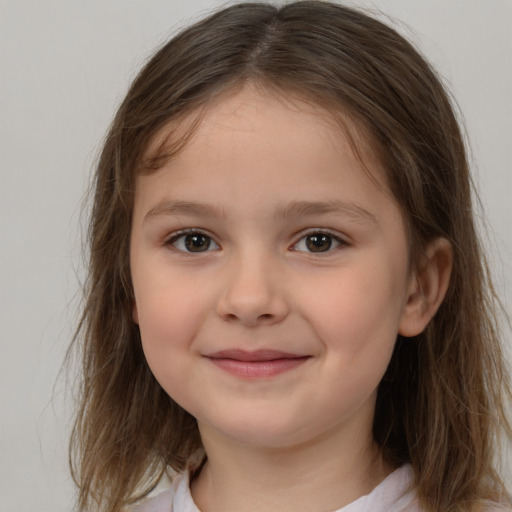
x,y
257,364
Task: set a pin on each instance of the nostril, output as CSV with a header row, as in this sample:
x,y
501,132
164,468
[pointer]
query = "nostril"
x,y
250,308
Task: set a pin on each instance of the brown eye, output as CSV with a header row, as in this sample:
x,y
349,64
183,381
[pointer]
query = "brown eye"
x,y
193,242
317,242
197,243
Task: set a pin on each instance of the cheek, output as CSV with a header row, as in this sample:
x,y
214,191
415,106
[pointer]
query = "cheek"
x,y
358,311
168,329
170,313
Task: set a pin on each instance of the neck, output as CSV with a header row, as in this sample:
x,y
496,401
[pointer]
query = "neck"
x,y
325,474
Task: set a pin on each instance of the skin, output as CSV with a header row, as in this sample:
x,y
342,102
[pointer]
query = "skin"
x,y
258,179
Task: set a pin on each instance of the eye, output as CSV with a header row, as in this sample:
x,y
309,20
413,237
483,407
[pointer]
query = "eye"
x,y
193,241
318,242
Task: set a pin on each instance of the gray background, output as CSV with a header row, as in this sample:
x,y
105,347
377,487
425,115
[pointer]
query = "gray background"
x,y
65,66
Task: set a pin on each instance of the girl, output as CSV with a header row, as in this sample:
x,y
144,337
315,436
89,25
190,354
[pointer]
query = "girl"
x,y
288,307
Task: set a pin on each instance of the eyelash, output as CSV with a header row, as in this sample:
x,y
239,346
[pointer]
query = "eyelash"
x,y
338,241
172,240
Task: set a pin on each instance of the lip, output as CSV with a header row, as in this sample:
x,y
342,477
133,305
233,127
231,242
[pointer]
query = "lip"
x,y
256,364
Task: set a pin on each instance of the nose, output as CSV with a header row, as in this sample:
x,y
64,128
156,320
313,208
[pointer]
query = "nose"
x,y
253,293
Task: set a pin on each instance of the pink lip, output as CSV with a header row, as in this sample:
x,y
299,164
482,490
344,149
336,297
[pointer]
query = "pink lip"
x,y
256,364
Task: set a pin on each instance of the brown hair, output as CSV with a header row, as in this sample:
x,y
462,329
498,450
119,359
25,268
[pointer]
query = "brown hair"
x,y
440,404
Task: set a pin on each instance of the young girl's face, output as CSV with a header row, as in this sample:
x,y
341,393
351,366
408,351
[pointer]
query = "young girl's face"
x,y
270,274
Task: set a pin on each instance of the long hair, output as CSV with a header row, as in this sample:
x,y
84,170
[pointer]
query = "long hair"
x,y
440,405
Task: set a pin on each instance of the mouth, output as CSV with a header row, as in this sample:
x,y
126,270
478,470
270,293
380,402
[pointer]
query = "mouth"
x,y
256,364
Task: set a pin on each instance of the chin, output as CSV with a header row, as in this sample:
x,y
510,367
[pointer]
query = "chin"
x,y
261,432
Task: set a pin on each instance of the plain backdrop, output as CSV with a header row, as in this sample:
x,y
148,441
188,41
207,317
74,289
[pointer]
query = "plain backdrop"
x,y
64,67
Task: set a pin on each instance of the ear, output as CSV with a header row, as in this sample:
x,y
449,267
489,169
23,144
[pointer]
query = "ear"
x,y
427,288
135,313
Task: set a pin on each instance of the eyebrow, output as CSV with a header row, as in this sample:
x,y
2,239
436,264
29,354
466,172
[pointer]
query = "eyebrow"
x,y
287,211
184,208
334,207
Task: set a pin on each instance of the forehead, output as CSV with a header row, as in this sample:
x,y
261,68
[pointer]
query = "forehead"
x,y
246,107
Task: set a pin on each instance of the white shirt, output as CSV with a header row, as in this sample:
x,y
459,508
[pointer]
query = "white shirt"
x,y
392,495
